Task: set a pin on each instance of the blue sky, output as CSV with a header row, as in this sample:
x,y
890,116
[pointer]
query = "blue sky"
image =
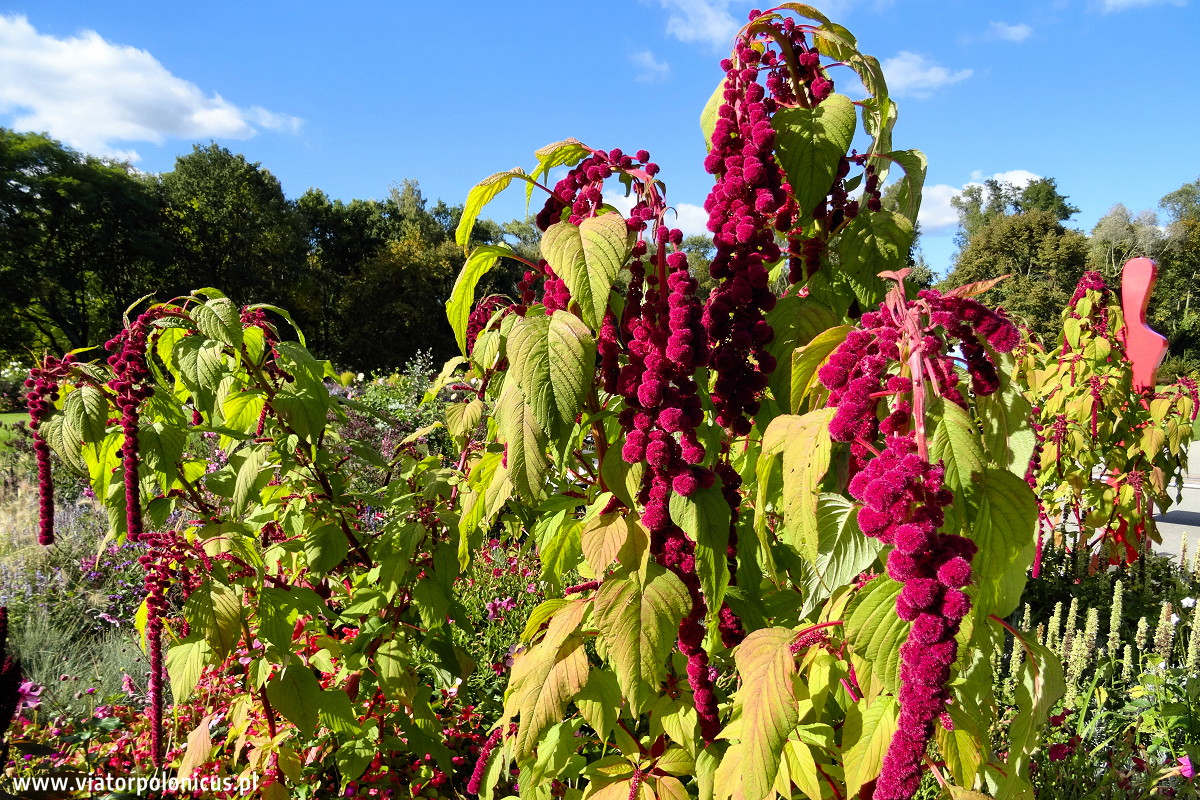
x,y
353,97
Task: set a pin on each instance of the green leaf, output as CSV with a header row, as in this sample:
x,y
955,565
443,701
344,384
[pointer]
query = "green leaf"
x,y
527,441
296,694
1005,528
215,611
219,319
463,418
87,409
479,196
566,153
542,682
961,747
810,143
868,732
602,539
621,478
872,242
914,164
462,296
796,322
185,661
325,547
1007,434
251,477
572,360
1042,684
638,615
843,552
769,708
955,442
588,258
242,410
876,633
708,117
704,516
560,553
806,447
807,360
552,361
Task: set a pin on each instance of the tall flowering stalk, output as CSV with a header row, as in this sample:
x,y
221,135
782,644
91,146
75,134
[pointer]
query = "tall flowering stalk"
x,y
902,352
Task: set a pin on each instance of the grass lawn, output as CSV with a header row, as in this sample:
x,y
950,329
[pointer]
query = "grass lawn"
x,y
8,419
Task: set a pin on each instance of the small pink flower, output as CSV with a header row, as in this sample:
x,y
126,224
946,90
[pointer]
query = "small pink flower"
x,y
1185,767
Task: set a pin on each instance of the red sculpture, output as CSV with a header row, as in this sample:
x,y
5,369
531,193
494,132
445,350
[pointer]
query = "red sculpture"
x,y
1146,348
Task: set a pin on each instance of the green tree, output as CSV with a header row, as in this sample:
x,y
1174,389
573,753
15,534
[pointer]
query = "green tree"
x,y
1175,304
80,238
979,204
1119,236
1044,259
232,227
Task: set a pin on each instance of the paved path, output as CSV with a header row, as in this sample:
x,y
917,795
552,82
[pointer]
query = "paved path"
x,y
1184,516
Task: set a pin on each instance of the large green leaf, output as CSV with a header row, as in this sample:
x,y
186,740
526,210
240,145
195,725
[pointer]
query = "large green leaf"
x,y
914,164
796,322
769,709
462,296
1007,433
638,615
566,153
479,196
704,516
1005,528
810,143
1042,684
843,552
602,539
552,360
708,116
808,359
876,633
547,677
868,732
527,441
804,443
588,258
185,662
870,243
956,443
296,694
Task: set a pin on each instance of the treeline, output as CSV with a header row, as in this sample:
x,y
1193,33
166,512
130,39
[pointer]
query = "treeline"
x,y
82,237
1024,232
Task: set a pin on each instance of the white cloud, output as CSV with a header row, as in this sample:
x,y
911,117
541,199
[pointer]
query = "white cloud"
x,y
915,75
692,219
1009,33
706,21
92,94
1109,6
938,217
650,68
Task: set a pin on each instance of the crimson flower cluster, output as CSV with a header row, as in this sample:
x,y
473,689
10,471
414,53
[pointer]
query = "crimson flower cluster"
x,y
903,495
1091,281
42,390
131,384
482,314
748,202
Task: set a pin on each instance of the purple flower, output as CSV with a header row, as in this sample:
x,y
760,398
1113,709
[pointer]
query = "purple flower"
x,y
29,695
